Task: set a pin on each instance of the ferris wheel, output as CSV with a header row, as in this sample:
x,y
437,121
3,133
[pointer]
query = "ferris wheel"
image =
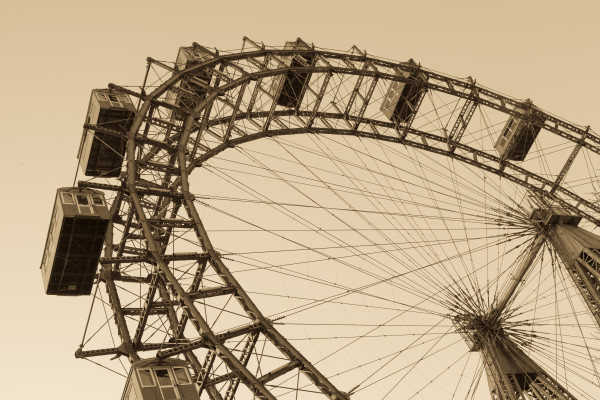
x,y
300,223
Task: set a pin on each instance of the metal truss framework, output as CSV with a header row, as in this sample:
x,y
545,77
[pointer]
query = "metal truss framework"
x,y
153,204
511,374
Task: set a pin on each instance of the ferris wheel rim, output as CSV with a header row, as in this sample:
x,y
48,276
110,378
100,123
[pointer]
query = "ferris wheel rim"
x,y
186,167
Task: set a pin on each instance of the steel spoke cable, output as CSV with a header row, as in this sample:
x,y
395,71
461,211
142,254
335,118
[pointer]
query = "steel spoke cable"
x,y
337,337
377,245
427,186
413,364
462,375
87,322
575,371
451,166
575,314
111,334
426,295
384,365
368,325
371,157
466,186
550,355
337,194
274,266
445,371
465,211
334,352
446,227
389,164
482,221
522,309
523,254
105,367
405,172
292,273
322,232
476,380
595,181
395,150
333,302
381,358
305,278
331,230
414,261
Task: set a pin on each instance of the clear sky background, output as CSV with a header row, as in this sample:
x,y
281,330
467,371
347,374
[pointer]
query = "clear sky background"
x,y
54,52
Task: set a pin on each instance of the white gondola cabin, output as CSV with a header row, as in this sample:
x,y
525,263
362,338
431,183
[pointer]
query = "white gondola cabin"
x,y
288,89
190,90
403,98
518,136
101,153
168,379
74,243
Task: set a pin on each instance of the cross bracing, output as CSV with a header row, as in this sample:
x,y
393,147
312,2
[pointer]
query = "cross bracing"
x,y
176,289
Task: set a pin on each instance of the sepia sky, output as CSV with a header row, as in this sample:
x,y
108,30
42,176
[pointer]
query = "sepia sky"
x,y
54,53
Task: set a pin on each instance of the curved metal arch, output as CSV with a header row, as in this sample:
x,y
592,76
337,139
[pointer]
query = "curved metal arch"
x,y
186,168
469,86
586,140
500,171
474,90
251,381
